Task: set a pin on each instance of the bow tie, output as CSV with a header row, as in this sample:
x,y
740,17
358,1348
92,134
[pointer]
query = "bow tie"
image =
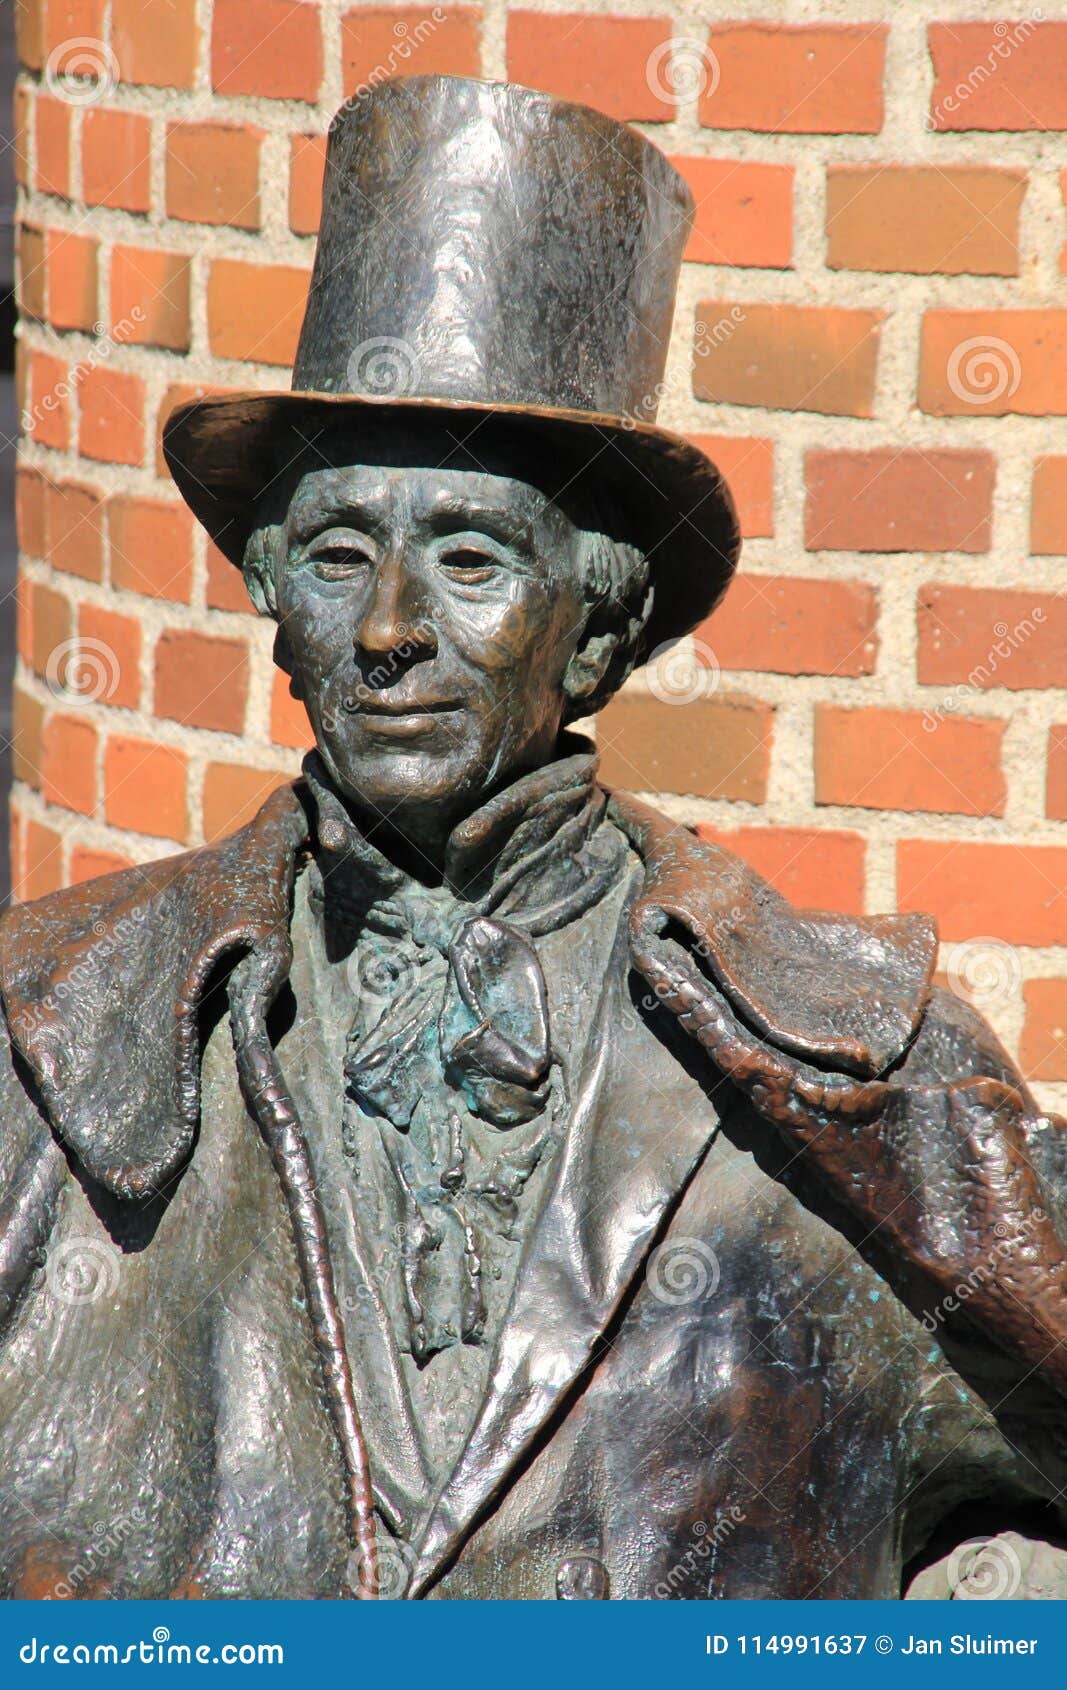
x,y
488,1019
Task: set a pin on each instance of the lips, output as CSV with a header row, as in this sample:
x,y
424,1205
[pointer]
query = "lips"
x,y
400,707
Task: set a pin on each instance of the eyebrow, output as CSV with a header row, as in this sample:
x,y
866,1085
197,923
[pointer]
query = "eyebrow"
x,y
450,513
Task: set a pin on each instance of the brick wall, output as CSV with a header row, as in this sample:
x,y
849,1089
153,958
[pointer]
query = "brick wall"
x,y
871,338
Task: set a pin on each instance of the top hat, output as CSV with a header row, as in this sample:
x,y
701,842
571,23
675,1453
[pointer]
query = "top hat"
x,y
488,252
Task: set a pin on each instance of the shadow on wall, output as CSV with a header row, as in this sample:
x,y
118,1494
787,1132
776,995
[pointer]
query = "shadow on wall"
x,y
8,424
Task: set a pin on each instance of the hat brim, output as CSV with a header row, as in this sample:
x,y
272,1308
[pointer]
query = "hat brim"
x,y
224,451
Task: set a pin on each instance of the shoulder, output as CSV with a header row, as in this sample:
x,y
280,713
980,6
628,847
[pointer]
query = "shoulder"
x,y
102,986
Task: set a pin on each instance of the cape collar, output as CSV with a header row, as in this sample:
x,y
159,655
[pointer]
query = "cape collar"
x,y
102,982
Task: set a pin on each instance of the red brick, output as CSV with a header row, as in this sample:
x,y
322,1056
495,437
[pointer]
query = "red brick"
x,y
68,763
289,723
24,619
1048,508
30,242
225,587
1004,75
72,280
382,41
145,786
30,491
29,33
1056,787
213,173
116,159
52,135
69,23
151,544
792,625
748,466
943,220
805,79
815,868
993,363
787,357
112,643
156,41
112,417
202,681
713,747
899,500
307,161
255,311
233,793
744,212
896,760
1043,1046
987,637
86,864
74,529
1015,892
27,733
268,47
623,66
53,626
47,416
42,862
21,135
150,297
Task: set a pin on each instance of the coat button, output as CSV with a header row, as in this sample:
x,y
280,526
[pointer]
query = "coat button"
x,y
582,1579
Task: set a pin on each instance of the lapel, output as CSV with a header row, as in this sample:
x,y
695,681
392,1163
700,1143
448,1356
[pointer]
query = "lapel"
x,y
620,1171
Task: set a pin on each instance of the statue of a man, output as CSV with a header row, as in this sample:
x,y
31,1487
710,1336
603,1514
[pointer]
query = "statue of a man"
x,y
462,1182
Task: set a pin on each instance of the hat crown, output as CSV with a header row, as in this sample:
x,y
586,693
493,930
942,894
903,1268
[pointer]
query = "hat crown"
x,y
482,242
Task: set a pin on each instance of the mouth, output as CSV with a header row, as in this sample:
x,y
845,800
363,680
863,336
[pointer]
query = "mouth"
x,y
400,717
401,707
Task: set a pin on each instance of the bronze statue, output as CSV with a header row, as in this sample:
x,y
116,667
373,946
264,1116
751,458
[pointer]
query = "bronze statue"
x,y
462,1182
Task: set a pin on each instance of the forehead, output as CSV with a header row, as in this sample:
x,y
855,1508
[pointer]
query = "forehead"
x,y
417,493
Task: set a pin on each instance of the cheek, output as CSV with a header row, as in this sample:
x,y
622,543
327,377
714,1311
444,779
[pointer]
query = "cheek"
x,y
318,630
512,636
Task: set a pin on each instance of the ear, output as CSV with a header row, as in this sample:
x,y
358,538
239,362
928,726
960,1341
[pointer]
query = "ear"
x,y
589,663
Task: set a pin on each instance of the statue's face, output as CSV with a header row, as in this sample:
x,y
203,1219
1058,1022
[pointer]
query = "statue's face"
x,y
430,616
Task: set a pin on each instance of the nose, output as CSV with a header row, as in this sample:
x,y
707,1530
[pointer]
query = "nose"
x,y
394,617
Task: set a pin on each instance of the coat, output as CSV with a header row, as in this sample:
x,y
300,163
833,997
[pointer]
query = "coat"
x,y
794,1296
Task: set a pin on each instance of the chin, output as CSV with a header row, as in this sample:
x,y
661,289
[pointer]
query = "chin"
x,y
383,780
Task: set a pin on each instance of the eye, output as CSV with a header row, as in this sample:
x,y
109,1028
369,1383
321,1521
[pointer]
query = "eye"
x,y
339,560
469,564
